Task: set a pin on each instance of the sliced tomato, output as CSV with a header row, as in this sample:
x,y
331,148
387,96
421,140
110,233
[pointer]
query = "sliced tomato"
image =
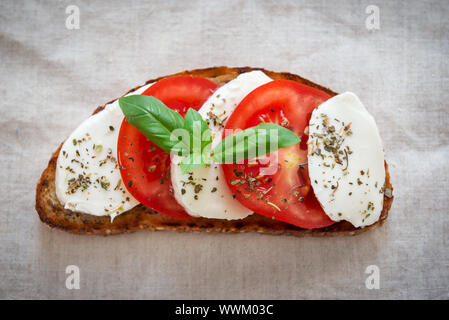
x,y
284,194
144,167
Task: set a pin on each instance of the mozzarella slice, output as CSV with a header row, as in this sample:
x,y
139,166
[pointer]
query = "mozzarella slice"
x,y
346,160
204,192
88,178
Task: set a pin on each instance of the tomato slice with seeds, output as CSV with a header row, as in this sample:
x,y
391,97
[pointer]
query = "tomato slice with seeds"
x,y
280,189
144,167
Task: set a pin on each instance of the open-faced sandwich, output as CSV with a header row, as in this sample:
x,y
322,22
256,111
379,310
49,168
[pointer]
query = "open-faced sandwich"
x,y
221,150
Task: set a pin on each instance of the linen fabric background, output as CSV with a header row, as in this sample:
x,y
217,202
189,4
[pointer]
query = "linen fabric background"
x,y
52,78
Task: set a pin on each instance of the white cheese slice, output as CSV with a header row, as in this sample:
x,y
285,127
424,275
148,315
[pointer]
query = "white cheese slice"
x,y
87,178
204,192
346,160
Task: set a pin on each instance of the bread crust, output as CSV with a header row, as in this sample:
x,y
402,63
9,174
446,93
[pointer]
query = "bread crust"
x,y
52,212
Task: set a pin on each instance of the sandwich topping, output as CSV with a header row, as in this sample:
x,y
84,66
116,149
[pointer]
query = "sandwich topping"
x,y
188,148
87,176
346,160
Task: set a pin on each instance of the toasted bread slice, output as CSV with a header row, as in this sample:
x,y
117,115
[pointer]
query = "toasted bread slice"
x,y
52,212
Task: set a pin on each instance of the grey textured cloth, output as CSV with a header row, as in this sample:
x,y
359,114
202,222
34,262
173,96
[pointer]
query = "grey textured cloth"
x,y
53,77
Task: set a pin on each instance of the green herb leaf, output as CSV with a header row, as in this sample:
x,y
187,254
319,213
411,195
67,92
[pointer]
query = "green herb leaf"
x,y
200,140
154,120
255,141
198,130
286,137
196,159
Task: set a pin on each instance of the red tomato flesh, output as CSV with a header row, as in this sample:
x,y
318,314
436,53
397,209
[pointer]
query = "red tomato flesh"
x,y
287,194
144,167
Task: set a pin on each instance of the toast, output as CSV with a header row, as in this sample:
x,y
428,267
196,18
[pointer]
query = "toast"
x,y
52,212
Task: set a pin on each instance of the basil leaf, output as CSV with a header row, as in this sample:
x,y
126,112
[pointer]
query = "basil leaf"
x,y
153,119
198,130
286,137
255,141
196,159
